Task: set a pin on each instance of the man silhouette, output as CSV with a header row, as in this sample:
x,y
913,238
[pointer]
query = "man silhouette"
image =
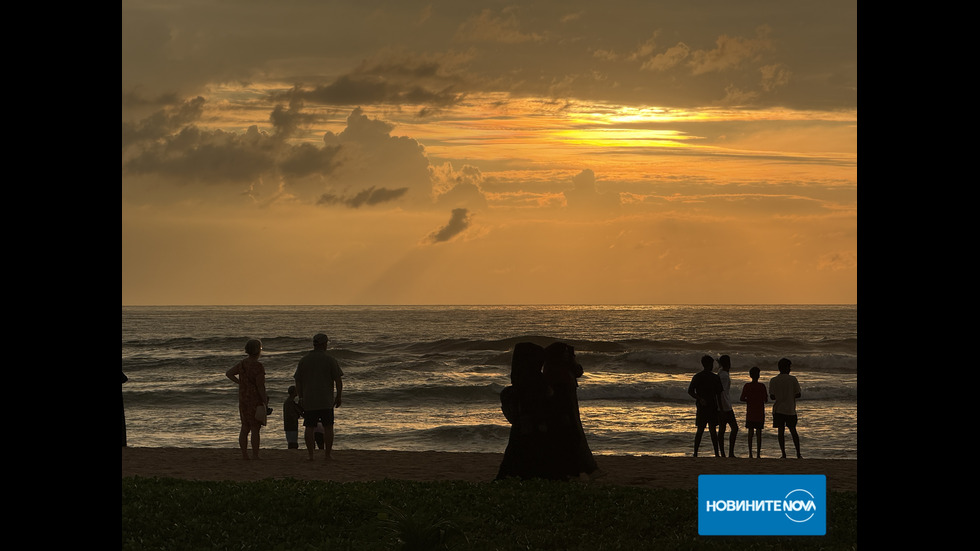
x,y
784,389
706,388
315,377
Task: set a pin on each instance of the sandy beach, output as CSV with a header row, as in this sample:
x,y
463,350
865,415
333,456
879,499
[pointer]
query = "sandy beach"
x,y
359,465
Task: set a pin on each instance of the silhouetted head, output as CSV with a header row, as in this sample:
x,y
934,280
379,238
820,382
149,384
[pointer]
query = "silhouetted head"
x,y
253,347
527,361
319,340
754,373
560,366
725,362
707,362
291,390
784,365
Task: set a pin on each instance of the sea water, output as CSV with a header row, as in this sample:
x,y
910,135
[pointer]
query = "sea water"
x,y
429,377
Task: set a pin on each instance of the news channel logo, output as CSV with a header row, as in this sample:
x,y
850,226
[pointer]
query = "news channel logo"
x,y
762,505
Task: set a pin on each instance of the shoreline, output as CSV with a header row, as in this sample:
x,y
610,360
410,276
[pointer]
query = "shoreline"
x,y
226,464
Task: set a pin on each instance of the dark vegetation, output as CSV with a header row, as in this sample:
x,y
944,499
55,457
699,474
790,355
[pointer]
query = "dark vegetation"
x,y
289,514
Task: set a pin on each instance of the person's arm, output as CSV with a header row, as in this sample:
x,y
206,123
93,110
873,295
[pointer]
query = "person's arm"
x,y
233,373
742,397
260,384
690,390
299,388
340,388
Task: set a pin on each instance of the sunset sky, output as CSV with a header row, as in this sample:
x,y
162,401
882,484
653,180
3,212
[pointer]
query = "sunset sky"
x,y
485,152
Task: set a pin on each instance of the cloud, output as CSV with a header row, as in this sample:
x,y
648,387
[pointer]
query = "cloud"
x,y
458,188
370,196
364,157
163,122
458,222
668,59
390,78
730,52
488,27
209,156
375,158
585,195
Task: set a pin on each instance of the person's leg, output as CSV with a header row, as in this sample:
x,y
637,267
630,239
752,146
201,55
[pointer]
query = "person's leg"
x,y
308,436
781,438
327,440
243,441
713,430
731,444
796,441
697,440
750,443
255,442
758,449
721,438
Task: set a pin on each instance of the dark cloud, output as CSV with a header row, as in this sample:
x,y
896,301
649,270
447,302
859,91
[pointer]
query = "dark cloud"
x,y
370,196
363,156
306,159
458,222
163,122
207,156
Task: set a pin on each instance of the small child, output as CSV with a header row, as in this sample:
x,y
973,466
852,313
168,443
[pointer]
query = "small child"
x,y
291,412
755,397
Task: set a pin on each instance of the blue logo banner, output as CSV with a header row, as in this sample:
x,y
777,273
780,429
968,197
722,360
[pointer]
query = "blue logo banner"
x,y
762,505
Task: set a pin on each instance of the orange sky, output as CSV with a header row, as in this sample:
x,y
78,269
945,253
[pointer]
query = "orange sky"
x,y
488,153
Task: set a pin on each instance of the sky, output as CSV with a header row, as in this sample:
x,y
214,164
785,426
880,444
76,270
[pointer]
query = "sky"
x,y
487,152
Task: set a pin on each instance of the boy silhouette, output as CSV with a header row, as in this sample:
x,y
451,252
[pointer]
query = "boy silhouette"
x,y
755,397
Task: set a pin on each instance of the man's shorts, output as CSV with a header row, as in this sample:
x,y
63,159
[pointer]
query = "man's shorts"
x,y
706,417
312,417
754,424
781,419
727,418
292,436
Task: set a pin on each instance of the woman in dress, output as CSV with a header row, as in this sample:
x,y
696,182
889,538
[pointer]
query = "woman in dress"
x,y
249,375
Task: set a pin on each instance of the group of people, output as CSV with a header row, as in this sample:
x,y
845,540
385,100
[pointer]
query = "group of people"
x,y
317,376
547,439
715,412
546,436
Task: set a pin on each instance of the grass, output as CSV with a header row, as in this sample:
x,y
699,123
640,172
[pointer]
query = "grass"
x,y
288,514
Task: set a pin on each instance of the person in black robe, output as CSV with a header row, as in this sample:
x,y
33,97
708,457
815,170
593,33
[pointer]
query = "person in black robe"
x,y
524,456
569,454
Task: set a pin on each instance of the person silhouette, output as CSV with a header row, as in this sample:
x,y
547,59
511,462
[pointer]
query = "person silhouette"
x,y
705,388
784,389
569,448
316,377
726,414
291,412
123,402
249,375
524,456
755,396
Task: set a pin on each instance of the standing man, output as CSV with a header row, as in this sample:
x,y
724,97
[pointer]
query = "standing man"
x,y
705,387
726,415
785,389
315,377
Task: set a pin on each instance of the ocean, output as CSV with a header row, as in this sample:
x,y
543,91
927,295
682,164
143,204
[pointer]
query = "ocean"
x,y
429,377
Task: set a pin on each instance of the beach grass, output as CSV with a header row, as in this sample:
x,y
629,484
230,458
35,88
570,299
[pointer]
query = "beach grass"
x,y
291,514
